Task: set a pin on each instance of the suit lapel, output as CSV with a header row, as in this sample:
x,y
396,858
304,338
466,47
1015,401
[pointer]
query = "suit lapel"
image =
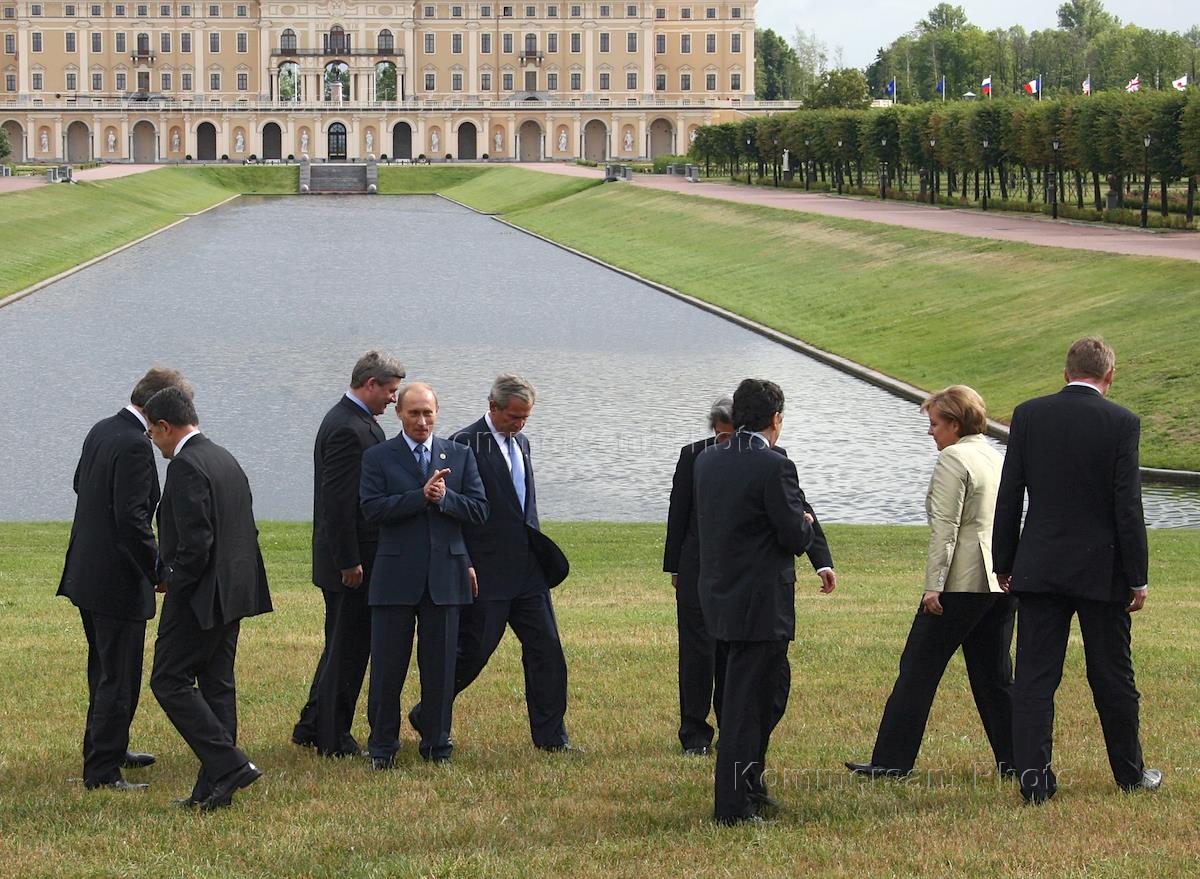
x,y
361,413
407,459
497,458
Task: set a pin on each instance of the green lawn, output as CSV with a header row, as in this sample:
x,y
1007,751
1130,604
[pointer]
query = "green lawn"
x,y
927,308
631,806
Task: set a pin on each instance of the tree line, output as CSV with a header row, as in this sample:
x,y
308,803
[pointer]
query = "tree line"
x,y
1088,44
1009,146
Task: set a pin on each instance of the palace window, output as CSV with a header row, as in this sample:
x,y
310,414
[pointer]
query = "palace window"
x,y
185,42
576,81
685,43
552,11
243,82
287,40
552,43
164,11
552,82
37,82
430,81
430,44
631,41
456,44
35,9
506,12
710,12
429,12
485,12
164,42
97,42
660,82
485,82
72,82
710,43
243,42
631,81
660,13
165,82
507,82
97,82
456,12
604,81
214,42
576,11
735,43
710,82
735,82
214,82
530,11
69,11
37,41
120,82
143,10
120,42
185,11
605,11
456,82
10,44
70,41
736,12
242,12
603,42
685,82
660,44
119,10
95,10
214,11
685,12
10,82
485,44
576,43
386,42
185,82
506,43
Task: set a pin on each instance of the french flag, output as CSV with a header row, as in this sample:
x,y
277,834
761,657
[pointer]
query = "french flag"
x,y
986,86
1034,86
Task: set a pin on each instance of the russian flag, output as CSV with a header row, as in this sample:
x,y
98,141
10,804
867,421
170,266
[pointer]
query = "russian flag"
x,y
986,86
1034,86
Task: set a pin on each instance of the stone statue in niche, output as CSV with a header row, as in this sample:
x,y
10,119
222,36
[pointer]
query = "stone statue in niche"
x,y
175,141
239,143
499,141
692,136
112,141
562,140
45,141
628,141
435,143
304,141
370,141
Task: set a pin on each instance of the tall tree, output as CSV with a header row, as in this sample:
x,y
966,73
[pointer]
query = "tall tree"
x,y
812,59
5,149
846,88
1085,18
776,69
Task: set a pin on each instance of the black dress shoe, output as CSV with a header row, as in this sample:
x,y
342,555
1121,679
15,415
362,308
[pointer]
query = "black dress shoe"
x,y
381,764
414,716
764,805
562,748
225,786
304,741
188,802
115,784
134,760
436,758
355,752
1151,780
698,751
872,771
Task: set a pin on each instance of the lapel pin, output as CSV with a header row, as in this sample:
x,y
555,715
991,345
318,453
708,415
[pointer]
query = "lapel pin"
x,y
442,456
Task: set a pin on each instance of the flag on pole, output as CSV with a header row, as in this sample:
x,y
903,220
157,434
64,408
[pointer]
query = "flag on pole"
x,y
986,86
890,89
1087,85
1180,84
1034,87
1134,84
941,87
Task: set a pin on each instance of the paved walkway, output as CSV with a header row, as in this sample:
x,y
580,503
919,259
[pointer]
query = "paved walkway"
x,y
103,172
1003,226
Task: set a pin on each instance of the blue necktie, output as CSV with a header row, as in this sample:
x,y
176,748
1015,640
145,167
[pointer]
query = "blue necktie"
x,y
518,470
422,460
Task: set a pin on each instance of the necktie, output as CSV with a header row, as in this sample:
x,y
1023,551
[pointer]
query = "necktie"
x,y
518,470
423,460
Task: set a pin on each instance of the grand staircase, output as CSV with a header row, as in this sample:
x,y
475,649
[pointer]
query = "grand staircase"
x,y
338,178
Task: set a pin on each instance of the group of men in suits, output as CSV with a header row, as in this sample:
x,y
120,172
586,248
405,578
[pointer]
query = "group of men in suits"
x,y
207,562
433,540
738,518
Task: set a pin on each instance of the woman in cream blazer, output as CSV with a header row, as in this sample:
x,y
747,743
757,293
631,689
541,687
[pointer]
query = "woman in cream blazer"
x,y
962,605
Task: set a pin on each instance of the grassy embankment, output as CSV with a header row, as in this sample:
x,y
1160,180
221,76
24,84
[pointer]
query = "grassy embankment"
x,y
631,806
930,309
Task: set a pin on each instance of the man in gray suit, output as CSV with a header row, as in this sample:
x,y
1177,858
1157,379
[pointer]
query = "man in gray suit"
x,y
419,490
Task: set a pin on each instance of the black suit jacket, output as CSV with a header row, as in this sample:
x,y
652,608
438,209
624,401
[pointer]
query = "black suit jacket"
x,y
209,541
109,567
750,515
681,554
342,538
1076,454
511,556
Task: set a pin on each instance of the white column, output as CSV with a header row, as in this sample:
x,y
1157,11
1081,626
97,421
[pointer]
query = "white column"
x,y
577,136
24,50
125,136
472,38
589,58
198,47
266,73
189,138
641,136
647,48
83,38
225,141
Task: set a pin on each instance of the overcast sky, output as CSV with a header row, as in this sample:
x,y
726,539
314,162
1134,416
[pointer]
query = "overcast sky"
x,y
861,28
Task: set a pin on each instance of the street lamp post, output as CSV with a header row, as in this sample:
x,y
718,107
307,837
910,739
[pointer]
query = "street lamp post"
x,y
883,168
774,163
1146,186
839,166
747,161
807,153
985,174
932,171
1054,182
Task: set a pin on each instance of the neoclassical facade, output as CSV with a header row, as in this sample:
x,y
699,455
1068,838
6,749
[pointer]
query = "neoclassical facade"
x,y
340,79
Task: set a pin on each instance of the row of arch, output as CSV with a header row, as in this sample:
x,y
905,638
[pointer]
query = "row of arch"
x,y
468,143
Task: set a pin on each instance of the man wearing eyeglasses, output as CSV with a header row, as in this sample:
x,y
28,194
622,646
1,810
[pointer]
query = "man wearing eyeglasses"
x,y
109,576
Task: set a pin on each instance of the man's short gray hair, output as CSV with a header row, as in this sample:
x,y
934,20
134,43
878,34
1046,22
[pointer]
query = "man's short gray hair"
x,y
721,412
507,385
1090,357
376,365
154,381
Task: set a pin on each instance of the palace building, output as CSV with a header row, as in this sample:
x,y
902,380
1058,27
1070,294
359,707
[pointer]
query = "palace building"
x,y
167,81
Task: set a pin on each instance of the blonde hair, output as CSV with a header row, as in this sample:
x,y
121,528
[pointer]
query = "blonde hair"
x,y
960,404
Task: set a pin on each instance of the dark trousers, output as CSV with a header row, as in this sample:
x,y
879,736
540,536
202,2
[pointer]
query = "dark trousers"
x,y
392,630
192,678
326,719
757,681
701,677
532,620
115,648
1042,632
982,624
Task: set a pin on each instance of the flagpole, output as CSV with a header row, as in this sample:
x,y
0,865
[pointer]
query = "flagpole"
x,y
943,88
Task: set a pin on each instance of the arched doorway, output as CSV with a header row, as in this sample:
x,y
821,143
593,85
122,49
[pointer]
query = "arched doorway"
x,y
385,81
467,137
272,141
145,143
337,142
16,140
289,81
337,81
206,142
662,139
402,141
529,142
595,141
79,143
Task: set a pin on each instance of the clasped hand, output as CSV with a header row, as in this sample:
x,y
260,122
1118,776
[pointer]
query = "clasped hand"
x,y
435,488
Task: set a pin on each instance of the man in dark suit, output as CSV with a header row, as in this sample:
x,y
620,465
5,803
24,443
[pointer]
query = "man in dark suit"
x,y
213,576
1082,551
515,566
419,490
751,517
343,551
701,657
109,576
